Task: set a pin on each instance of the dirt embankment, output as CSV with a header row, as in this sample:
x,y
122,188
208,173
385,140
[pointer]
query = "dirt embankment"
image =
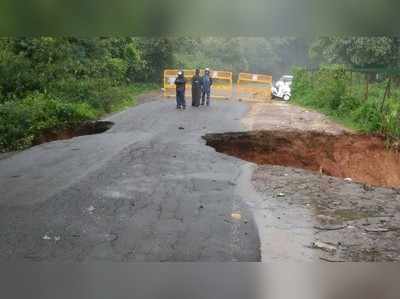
x,y
362,158
86,128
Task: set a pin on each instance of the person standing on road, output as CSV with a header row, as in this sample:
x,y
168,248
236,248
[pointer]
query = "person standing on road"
x,y
196,89
180,83
206,87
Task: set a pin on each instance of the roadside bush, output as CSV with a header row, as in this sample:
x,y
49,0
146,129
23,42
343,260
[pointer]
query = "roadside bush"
x,y
116,69
330,85
24,120
367,117
370,117
302,85
391,119
52,82
16,76
98,93
328,90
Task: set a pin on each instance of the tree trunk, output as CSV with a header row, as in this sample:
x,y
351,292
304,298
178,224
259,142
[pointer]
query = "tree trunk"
x,y
387,93
351,83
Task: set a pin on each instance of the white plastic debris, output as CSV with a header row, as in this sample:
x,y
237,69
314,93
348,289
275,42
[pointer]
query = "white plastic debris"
x,y
323,246
46,237
349,180
91,209
281,194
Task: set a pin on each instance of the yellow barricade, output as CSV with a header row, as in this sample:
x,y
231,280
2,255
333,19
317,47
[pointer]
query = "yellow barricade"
x,y
255,87
222,83
169,81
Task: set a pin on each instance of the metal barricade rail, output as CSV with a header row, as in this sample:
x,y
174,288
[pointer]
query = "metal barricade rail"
x,y
254,87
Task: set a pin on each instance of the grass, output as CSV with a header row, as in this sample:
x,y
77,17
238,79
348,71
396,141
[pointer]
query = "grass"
x,y
328,91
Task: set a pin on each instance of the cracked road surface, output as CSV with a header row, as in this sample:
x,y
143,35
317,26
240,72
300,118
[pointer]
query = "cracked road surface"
x,y
149,189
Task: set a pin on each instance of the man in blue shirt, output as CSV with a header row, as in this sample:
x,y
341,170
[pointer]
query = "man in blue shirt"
x,y
206,87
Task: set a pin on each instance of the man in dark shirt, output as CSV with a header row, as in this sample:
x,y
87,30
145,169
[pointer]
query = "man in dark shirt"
x,y
196,89
180,83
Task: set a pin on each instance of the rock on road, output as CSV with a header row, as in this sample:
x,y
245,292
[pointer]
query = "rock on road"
x,y
149,189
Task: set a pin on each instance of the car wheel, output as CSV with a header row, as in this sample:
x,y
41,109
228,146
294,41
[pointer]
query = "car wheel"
x,y
286,97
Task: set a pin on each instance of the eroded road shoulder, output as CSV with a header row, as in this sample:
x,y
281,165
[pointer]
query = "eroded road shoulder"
x,y
307,215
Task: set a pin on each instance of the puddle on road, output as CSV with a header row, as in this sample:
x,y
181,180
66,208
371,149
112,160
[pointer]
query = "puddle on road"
x,y
87,128
361,158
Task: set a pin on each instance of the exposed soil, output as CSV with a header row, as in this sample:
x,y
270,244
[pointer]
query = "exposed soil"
x,y
87,128
361,158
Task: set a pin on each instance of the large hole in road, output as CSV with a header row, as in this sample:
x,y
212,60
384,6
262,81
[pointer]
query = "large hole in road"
x,y
82,129
362,158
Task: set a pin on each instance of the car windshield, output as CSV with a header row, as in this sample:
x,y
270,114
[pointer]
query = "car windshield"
x,y
287,78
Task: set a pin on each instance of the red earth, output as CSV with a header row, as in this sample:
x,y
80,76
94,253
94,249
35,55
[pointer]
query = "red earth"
x,y
363,158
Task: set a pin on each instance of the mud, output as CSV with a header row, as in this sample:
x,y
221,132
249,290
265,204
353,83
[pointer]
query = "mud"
x,y
83,129
361,158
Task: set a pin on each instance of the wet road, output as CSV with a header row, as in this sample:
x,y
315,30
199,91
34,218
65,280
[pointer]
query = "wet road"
x,y
149,189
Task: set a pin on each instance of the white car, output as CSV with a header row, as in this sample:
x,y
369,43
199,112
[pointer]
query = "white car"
x,y
282,88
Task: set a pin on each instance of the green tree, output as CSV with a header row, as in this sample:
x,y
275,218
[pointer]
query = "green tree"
x,y
357,51
157,52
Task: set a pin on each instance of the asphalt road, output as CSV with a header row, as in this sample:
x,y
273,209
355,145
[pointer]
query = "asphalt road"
x,y
149,189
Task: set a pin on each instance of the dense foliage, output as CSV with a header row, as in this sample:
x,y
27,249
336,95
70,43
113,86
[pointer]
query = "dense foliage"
x,y
342,95
376,51
366,98
48,82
